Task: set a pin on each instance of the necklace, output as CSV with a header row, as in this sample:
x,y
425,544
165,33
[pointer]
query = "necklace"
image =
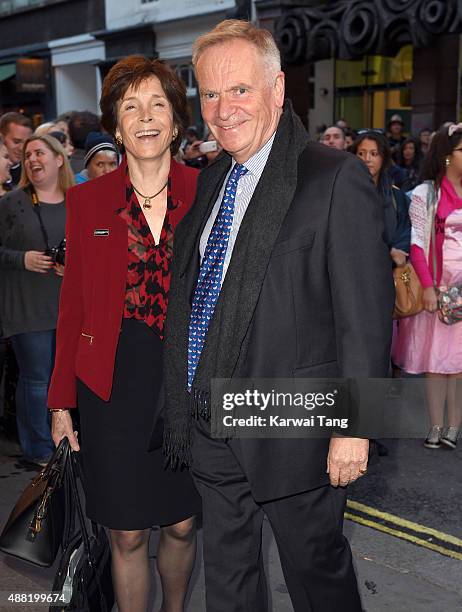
x,y
147,199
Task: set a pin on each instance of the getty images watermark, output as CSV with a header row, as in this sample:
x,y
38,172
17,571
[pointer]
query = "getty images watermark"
x,y
267,402
319,408
278,408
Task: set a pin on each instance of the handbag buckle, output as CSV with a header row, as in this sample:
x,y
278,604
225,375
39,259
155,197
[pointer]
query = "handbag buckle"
x,y
36,524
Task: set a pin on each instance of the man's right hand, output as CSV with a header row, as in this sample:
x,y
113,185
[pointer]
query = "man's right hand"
x,y
429,299
61,427
37,261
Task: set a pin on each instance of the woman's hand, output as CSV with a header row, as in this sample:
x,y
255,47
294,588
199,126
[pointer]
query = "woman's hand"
x,y
61,427
398,256
37,261
58,269
430,301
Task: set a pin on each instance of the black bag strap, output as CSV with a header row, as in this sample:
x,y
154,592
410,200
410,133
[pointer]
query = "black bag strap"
x,y
69,521
74,470
77,503
36,207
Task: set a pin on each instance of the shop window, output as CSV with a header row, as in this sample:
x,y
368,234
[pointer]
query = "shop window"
x,y
370,90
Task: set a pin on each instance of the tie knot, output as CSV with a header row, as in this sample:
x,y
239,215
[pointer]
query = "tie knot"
x,y
238,171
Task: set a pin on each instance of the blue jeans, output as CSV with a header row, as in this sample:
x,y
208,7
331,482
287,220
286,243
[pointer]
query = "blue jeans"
x,y
35,354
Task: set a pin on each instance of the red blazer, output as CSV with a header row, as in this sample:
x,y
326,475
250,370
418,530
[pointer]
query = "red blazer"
x,y
93,290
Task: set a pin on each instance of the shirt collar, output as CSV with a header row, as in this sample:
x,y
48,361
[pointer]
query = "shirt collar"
x,y
256,164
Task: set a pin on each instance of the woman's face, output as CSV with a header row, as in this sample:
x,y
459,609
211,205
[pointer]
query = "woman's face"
x,y
369,152
42,165
409,151
68,146
456,158
62,127
102,163
145,121
5,165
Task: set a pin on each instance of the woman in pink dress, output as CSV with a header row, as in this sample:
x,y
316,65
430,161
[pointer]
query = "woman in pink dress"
x,y
425,344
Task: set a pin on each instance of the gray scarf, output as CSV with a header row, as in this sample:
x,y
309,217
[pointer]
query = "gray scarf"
x,y
239,295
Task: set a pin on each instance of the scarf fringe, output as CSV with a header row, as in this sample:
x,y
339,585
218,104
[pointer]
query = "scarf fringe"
x,y
177,447
200,404
177,441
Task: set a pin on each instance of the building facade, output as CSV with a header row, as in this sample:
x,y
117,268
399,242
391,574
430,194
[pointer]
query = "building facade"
x,y
54,65
68,46
167,30
366,60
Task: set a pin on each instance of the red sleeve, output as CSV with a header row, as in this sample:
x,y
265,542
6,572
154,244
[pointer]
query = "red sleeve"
x,y
62,392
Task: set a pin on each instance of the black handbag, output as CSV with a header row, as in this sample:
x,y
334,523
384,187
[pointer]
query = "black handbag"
x,y
35,527
84,578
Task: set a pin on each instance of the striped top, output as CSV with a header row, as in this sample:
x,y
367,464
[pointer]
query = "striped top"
x,y
247,184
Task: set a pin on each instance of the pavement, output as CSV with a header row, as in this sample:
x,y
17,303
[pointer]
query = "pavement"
x,y
405,533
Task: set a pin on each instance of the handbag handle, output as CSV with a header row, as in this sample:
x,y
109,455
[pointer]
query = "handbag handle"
x,y
54,475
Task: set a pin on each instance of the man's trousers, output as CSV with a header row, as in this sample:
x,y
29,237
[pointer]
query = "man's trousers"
x,y
308,528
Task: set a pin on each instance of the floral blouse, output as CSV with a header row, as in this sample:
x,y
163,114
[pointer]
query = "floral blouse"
x,y
148,277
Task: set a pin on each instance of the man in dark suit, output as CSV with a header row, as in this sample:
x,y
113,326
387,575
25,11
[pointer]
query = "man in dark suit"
x,y
280,271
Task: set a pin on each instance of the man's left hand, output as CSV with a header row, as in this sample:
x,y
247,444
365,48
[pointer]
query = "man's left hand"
x,y
347,460
59,269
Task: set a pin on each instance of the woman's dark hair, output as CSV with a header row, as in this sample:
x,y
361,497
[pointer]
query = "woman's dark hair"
x,y
442,145
383,182
417,153
131,72
80,124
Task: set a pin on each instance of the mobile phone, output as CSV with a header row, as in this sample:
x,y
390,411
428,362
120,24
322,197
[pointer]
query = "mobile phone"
x,y
208,146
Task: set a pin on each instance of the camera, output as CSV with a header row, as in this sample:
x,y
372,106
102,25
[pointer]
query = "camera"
x,y
58,253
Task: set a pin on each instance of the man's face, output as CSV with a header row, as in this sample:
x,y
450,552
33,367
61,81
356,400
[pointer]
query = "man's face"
x,y
425,137
396,129
334,137
241,98
14,139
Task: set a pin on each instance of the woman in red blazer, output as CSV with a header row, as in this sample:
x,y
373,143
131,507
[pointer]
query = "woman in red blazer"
x,y
113,305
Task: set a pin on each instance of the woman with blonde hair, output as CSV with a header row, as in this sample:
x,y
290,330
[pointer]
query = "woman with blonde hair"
x,y
32,228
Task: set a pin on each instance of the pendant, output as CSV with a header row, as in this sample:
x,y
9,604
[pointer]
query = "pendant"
x,y
147,203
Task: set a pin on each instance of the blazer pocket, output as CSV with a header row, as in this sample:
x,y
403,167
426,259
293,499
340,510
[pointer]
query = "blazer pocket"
x,y
327,369
304,241
86,339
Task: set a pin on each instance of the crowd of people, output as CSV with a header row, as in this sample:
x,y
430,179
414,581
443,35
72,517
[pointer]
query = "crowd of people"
x,y
418,179
86,273
37,167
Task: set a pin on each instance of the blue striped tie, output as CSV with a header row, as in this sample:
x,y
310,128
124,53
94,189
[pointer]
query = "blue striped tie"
x,y
211,273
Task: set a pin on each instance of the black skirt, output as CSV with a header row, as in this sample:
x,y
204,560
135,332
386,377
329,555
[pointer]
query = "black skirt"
x,y
126,486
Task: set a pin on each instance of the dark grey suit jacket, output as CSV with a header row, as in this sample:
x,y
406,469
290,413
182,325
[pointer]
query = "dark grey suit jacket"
x,y
308,293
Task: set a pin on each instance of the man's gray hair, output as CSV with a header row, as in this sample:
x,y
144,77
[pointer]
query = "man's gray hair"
x,y
229,30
